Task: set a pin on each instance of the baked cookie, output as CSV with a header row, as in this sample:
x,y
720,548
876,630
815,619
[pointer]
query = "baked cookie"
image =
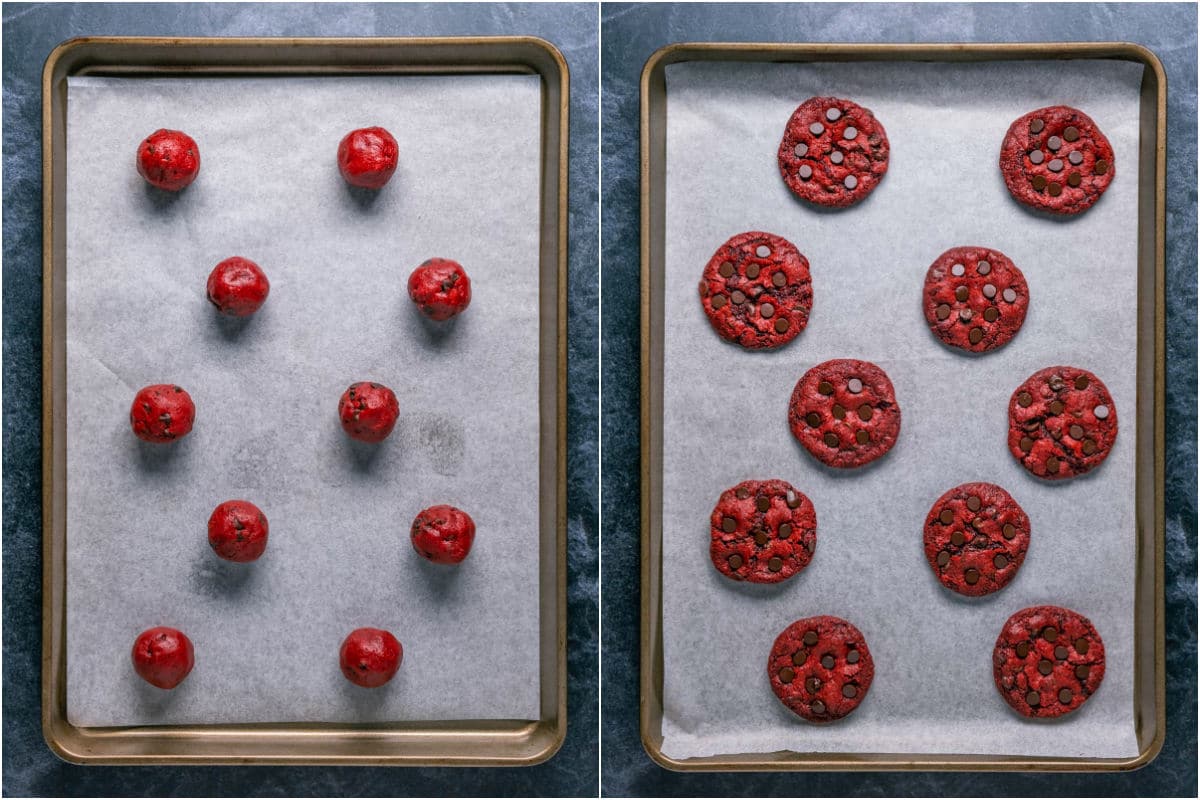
x,y
163,657
1048,661
976,537
162,413
443,534
237,531
367,157
844,412
169,160
370,657
440,288
757,291
975,298
762,532
237,287
1061,423
820,668
834,152
1056,159
368,411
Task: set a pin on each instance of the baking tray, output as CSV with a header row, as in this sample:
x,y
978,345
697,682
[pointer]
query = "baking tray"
x,y
1149,662
438,743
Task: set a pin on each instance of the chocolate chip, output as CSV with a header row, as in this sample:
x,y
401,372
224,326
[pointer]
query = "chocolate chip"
x,y
836,157
1081,646
738,297
1054,189
971,576
958,270
1081,382
825,387
961,293
1055,165
813,684
799,657
1076,432
793,499
787,675
767,310
1050,633
1074,179
974,503
1022,649
760,537
976,335
1100,167
966,315
852,657
763,504
1031,698
735,561
762,251
850,182
1064,696
1010,295
775,564
833,114
813,419
1081,672
729,524
1101,412
1009,531
1056,383
947,516
1089,447
849,691
801,150
1037,181
989,291
862,437
854,385
752,270
943,558
719,302
810,638
1052,465
828,661
1037,125
1000,561
1075,157
991,314
1054,142
1060,653
838,412
816,129
1071,133
943,311
805,172
743,492
817,707
726,269
779,279
1024,399
785,530
782,324
831,439
864,412
983,268
1056,406
1045,667
1037,156
957,538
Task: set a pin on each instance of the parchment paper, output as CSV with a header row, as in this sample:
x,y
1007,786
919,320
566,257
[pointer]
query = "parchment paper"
x,y
725,414
266,391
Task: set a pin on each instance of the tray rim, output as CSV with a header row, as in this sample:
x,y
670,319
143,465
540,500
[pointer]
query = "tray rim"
x,y
650,684
428,743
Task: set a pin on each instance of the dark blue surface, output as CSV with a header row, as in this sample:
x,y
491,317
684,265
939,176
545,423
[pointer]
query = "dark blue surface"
x,y
30,32
629,35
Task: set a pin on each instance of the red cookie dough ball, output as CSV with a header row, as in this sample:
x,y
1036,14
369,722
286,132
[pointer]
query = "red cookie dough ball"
x,y
762,532
162,413
237,531
975,298
1061,423
820,668
1056,159
168,159
238,287
440,288
367,157
976,537
370,657
833,153
368,411
163,657
1047,661
443,534
845,413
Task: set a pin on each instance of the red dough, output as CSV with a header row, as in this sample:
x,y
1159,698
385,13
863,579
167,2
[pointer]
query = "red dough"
x,y
1061,423
1055,159
975,298
367,157
845,413
757,290
237,531
238,287
763,532
820,668
162,413
976,537
368,411
168,159
443,534
834,152
440,288
1048,661
370,657
163,657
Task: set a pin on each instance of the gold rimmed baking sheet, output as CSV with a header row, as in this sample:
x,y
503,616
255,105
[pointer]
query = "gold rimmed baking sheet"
x,y
1146,502
442,742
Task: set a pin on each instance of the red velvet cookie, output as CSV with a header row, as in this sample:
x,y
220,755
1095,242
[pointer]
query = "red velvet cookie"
x,y
844,412
163,657
367,157
975,298
370,657
976,536
763,532
162,413
440,288
834,152
1048,661
1056,159
757,290
820,668
237,531
237,287
368,411
443,534
1061,423
168,159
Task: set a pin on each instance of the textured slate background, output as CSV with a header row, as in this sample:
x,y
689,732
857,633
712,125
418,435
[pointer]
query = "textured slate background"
x,y
30,32
629,35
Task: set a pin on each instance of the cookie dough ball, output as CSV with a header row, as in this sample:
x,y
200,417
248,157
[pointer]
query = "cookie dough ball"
x,y
370,657
237,531
440,288
368,411
367,157
162,413
168,159
238,287
163,657
443,534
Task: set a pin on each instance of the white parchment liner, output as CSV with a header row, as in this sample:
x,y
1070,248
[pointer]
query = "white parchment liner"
x,y
725,409
266,391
